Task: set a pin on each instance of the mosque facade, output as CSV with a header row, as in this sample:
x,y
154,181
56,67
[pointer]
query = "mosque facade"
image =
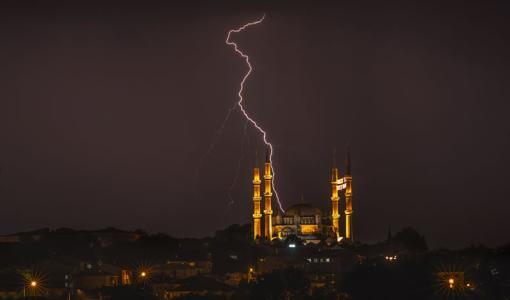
x,y
308,223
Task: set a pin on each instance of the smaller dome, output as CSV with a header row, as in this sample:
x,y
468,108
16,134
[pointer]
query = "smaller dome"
x,y
302,209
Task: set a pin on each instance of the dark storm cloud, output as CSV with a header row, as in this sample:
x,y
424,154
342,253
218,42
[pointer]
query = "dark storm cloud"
x,y
106,110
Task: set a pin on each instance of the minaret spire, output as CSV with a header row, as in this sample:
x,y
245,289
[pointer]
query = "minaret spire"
x,y
335,215
256,199
348,161
268,212
348,195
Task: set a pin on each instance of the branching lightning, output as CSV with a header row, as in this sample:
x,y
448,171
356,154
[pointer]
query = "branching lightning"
x,y
230,190
239,161
240,96
214,141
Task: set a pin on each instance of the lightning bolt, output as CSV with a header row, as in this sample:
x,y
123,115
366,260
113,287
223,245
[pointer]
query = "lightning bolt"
x,y
239,103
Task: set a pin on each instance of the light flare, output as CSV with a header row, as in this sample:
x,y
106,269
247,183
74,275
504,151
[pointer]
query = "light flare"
x,y
240,96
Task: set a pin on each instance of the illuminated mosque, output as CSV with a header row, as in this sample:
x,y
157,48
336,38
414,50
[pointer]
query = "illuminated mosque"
x,y
303,220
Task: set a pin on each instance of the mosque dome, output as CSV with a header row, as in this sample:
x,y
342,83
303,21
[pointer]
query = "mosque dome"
x,y
302,209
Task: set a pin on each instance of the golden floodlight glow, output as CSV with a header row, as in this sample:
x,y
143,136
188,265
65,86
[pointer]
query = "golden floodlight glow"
x,y
143,274
33,283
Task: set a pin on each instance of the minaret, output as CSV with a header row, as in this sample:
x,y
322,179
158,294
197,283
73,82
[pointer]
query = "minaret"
x,y
335,216
268,212
256,201
348,196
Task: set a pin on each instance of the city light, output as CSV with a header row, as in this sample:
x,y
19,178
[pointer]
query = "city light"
x,y
451,281
292,245
143,271
32,285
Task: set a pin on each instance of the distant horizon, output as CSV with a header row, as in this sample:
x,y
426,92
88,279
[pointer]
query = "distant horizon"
x,y
382,240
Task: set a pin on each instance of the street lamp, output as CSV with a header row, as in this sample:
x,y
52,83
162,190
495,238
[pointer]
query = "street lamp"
x,y
143,274
251,274
32,284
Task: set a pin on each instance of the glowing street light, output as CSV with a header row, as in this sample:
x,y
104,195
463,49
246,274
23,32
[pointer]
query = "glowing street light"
x,y
251,274
143,274
32,285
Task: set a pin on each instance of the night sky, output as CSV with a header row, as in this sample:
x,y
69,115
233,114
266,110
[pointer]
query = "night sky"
x,y
107,109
